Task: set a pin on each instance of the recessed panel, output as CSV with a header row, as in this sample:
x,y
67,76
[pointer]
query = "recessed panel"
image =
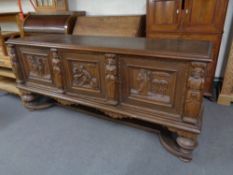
x,y
153,85
37,65
83,72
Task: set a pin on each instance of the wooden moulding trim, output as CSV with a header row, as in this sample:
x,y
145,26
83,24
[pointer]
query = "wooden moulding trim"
x,y
117,51
108,108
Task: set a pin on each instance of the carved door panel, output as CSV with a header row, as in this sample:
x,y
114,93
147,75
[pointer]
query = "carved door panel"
x,y
37,65
163,15
204,16
153,85
84,74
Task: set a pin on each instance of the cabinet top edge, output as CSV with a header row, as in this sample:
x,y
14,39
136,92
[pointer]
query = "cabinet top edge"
x,y
171,48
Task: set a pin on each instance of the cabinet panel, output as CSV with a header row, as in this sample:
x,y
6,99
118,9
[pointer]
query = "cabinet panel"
x,y
84,74
204,16
163,15
37,65
153,85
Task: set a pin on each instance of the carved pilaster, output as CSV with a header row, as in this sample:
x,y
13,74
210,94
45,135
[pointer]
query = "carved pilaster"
x,y
15,65
111,72
193,102
56,62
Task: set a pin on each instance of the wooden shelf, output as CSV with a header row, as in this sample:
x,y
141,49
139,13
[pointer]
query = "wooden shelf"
x,y
7,73
8,85
5,61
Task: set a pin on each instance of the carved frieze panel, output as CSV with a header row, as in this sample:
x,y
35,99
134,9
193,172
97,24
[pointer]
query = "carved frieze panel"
x,y
85,75
152,84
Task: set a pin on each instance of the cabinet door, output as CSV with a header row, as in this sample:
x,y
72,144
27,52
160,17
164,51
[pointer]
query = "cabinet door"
x,y
84,74
163,15
153,86
206,16
37,66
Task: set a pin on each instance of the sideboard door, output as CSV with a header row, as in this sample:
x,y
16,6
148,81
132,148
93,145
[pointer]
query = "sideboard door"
x,y
37,65
84,74
153,85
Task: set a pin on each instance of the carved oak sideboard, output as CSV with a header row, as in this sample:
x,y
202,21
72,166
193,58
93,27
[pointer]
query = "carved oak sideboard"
x,y
156,81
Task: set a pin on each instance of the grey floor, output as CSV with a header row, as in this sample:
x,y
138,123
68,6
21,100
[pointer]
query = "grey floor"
x,y
60,141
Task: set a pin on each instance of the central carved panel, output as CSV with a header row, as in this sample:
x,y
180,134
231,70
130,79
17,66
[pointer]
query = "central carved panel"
x,y
38,66
85,75
152,84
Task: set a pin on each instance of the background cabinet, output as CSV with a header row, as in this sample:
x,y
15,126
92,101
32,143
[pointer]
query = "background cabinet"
x,y
189,19
204,16
164,15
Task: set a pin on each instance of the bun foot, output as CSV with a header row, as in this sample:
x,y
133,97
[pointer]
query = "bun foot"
x,y
180,147
36,102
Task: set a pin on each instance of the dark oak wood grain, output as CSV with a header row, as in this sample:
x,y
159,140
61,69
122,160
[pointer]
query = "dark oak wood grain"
x,y
156,81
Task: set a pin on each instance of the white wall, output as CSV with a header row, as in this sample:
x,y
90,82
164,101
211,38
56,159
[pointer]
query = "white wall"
x,y
109,7
225,41
12,6
119,7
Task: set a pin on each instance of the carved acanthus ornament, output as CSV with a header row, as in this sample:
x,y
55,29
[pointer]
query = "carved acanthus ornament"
x,y
194,94
114,115
111,78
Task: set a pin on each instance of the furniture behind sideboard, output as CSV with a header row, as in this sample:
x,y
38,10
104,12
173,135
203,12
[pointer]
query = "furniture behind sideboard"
x,y
10,27
121,26
226,95
189,19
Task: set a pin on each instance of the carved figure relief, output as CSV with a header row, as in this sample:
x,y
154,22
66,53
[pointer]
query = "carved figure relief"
x,y
143,79
159,89
111,78
83,77
38,66
57,69
153,85
194,93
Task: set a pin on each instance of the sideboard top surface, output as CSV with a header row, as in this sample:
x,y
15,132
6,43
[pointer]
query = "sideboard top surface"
x,y
177,49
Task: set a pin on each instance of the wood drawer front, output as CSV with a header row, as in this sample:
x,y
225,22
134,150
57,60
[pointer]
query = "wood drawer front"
x,y
37,65
84,74
153,85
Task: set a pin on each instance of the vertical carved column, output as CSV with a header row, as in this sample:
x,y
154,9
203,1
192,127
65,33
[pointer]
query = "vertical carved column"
x,y
193,102
111,79
15,65
57,72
